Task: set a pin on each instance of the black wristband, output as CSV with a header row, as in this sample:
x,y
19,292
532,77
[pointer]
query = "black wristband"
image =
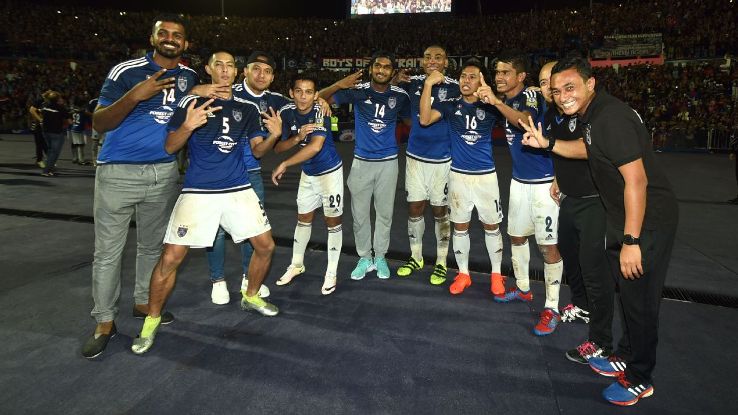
x,y
551,143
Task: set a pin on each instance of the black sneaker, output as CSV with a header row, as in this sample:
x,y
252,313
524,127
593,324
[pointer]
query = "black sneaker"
x,y
95,345
586,351
166,317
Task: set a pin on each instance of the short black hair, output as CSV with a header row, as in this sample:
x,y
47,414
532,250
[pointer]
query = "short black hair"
x,y
574,61
476,63
516,58
304,77
383,54
436,45
171,17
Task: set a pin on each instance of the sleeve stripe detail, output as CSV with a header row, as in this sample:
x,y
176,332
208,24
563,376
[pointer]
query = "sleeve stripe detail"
x,y
286,107
185,101
398,89
121,67
181,66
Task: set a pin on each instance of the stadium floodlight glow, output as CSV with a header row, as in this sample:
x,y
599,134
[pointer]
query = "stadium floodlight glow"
x,y
58,11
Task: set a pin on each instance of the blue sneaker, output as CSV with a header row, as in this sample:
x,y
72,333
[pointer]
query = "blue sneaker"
x,y
550,318
611,366
380,264
624,393
362,267
514,294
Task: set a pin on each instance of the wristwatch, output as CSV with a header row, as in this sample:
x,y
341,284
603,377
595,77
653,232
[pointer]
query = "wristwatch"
x,y
628,239
551,142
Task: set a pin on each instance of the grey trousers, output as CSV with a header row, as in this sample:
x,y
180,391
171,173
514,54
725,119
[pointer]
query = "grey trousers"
x,y
367,179
149,191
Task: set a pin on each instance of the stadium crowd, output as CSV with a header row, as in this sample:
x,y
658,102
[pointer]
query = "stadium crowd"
x,y
694,97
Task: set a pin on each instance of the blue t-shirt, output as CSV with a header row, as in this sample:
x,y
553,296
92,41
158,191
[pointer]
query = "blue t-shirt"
x,y
140,136
375,117
327,159
78,120
530,165
263,101
471,127
216,160
431,144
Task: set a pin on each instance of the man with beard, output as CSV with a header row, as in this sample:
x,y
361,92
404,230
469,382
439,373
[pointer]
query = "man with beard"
x,y
135,175
377,105
473,179
216,193
642,215
427,166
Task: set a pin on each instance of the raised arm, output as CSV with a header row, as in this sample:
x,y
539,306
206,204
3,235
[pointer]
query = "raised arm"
x,y
107,118
273,122
533,137
196,117
427,114
345,83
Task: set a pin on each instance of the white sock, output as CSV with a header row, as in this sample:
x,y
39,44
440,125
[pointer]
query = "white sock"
x,y
335,242
493,241
415,230
552,276
299,244
443,233
520,260
461,250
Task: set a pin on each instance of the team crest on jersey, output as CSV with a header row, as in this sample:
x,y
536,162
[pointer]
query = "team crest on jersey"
x,y
516,105
481,114
182,83
572,124
237,115
181,231
588,133
392,101
263,106
531,101
442,93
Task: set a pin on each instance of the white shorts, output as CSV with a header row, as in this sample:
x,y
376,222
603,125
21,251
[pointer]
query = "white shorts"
x,y
196,217
325,190
467,191
78,137
427,181
532,211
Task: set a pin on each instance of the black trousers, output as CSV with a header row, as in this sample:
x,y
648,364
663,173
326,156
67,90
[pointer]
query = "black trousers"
x,y
582,227
640,299
40,141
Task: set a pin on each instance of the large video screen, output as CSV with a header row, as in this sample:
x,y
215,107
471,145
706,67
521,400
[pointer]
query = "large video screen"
x,y
367,7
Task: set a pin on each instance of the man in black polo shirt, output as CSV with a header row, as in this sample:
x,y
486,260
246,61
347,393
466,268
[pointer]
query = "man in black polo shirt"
x,y
641,212
581,234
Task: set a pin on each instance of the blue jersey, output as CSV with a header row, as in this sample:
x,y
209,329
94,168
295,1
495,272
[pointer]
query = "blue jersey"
x,y
471,127
78,120
216,160
375,117
263,101
327,159
431,144
139,138
530,165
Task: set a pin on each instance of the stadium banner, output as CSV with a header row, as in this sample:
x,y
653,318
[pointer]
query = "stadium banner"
x,y
629,46
363,62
